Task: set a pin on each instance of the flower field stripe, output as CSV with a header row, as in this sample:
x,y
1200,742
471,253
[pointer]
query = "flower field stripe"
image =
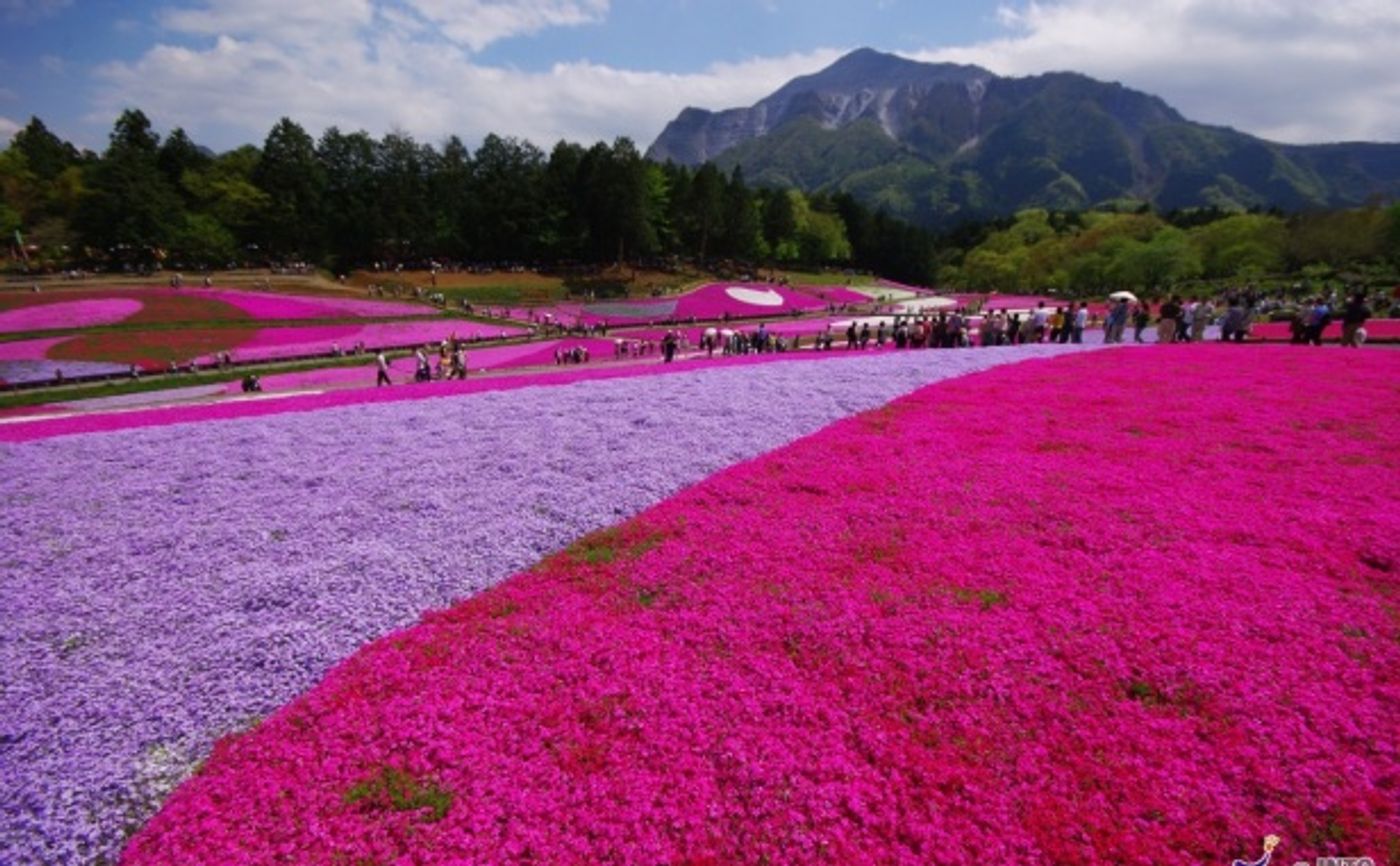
x,y
1070,612
402,369
68,314
76,308
28,361
274,343
265,306
166,586
156,417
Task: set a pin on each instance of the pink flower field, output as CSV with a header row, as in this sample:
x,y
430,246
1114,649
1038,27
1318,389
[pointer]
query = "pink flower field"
x,y
88,307
744,299
67,314
523,355
269,306
1070,611
274,343
711,301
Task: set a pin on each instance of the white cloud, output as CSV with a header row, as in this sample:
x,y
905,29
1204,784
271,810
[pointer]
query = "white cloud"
x,y
1288,70
276,20
400,74
478,23
1291,70
8,128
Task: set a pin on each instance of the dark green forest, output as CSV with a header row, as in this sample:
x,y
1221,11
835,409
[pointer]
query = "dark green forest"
x,y
348,200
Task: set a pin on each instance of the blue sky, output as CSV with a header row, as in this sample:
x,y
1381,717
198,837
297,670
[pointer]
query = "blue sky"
x,y
1292,70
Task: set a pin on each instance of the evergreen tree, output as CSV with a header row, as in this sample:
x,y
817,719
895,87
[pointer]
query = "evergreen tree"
x,y
130,212
291,177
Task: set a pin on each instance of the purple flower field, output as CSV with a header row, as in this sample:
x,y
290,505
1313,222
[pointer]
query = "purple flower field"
x,y
165,587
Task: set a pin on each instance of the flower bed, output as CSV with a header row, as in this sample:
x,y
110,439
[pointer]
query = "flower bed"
x,y
741,300
267,306
712,301
160,305
274,343
67,314
156,349
848,294
165,586
961,628
23,361
401,370
150,350
156,306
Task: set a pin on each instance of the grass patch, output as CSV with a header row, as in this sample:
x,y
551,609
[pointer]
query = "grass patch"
x,y
986,599
827,278
393,790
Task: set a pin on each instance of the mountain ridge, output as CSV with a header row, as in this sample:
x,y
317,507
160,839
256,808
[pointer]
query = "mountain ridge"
x,y
962,142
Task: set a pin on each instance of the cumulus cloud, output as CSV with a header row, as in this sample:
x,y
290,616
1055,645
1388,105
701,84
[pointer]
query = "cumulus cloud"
x,y
1289,70
411,66
8,128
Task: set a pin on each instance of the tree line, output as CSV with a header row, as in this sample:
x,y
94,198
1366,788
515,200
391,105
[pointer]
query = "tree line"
x,y
1083,253
347,200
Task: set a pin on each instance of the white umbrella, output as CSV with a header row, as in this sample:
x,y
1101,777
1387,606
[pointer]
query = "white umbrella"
x,y
1123,296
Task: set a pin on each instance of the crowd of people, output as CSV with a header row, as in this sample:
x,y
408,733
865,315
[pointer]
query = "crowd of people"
x,y
450,363
1311,319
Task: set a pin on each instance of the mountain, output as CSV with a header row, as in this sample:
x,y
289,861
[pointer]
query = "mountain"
x,y
936,143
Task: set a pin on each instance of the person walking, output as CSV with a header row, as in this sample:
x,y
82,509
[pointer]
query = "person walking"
x,y
1205,311
1166,322
1320,318
1116,321
1354,315
1233,323
1039,319
1140,320
1081,321
381,363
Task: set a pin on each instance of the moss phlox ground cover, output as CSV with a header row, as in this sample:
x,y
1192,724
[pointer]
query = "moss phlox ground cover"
x,y
1084,611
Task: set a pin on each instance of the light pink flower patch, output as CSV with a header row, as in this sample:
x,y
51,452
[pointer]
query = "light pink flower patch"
x,y
270,306
28,350
1059,612
402,369
298,341
68,314
743,300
